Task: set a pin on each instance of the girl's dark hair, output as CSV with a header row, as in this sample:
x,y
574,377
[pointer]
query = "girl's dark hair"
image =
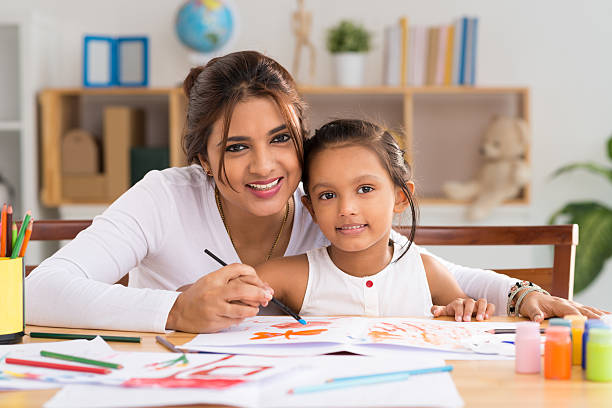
x,y
214,90
347,132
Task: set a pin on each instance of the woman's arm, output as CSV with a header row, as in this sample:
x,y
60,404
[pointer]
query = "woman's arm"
x,y
75,287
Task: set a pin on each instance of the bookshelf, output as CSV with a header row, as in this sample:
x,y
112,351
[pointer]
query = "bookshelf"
x,y
441,125
83,108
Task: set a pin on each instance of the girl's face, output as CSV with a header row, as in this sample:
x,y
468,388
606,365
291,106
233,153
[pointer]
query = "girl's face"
x,y
260,158
352,197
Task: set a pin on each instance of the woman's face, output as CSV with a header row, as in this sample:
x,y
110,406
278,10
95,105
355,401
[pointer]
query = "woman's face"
x,y
260,158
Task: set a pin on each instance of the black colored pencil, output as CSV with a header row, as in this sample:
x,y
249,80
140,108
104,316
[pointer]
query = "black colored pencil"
x,y
509,331
277,302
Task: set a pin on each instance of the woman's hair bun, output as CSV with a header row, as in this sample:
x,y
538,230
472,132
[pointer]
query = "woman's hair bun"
x,y
191,79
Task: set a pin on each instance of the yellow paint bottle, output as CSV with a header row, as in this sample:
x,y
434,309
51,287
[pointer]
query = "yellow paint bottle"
x,y
577,330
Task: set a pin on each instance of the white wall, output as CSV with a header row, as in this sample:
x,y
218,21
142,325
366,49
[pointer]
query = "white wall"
x,y
559,48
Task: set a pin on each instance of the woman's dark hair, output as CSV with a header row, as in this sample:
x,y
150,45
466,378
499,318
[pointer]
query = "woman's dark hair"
x,y
355,132
214,90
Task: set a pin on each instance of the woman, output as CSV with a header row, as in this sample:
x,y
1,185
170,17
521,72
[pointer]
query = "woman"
x,y
239,198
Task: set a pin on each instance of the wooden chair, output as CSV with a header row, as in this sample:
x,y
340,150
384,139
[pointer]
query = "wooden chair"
x,y
558,279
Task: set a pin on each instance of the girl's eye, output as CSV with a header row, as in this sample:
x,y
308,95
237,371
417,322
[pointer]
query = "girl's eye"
x,y
235,148
364,189
282,138
326,196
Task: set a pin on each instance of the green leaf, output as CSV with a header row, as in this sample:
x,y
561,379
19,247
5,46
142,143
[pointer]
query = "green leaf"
x,y
610,148
595,242
592,167
348,37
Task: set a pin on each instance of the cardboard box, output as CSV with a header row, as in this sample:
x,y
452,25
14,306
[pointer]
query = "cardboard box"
x,y
85,188
123,129
80,153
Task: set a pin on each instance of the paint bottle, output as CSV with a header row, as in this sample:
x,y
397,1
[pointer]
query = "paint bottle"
x,y
527,346
577,322
558,353
588,325
599,355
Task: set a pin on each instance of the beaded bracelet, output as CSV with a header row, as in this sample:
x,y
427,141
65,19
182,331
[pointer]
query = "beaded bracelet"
x,y
512,308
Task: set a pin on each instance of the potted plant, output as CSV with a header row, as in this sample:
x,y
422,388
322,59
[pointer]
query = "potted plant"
x,y
348,42
595,223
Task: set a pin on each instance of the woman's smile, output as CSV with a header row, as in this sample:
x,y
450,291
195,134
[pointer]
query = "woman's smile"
x,y
266,188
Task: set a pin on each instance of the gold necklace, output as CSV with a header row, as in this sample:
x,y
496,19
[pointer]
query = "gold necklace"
x,y
278,234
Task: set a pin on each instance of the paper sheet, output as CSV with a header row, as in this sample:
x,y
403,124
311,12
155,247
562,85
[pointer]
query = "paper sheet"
x,y
422,390
159,370
280,335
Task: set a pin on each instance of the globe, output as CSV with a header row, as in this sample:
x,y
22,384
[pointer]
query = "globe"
x,y
204,25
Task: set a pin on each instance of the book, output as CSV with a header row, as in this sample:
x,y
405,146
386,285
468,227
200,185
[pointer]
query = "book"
x,y
474,43
441,55
448,61
403,22
458,24
432,55
392,55
463,50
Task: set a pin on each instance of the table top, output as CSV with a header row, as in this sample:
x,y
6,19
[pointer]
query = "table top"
x,y
480,383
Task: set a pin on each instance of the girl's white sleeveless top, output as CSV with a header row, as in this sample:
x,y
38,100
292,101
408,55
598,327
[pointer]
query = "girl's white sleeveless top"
x,y
400,289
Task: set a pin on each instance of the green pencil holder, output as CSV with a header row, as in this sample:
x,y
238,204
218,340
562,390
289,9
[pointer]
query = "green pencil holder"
x,y
12,315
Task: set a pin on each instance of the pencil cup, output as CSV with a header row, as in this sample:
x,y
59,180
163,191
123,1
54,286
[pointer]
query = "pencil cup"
x,y
12,322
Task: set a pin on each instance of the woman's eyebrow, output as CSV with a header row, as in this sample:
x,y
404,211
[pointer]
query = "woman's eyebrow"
x,y
277,129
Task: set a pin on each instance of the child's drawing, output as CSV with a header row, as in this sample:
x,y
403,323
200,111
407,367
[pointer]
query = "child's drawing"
x,y
270,330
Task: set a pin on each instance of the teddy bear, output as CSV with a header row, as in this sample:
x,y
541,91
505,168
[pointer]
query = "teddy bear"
x,y
504,172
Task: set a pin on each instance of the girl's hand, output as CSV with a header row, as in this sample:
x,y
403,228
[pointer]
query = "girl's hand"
x,y
218,300
464,308
539,306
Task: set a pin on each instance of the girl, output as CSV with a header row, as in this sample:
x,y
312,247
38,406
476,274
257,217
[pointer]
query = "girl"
x,y
355,179
240,197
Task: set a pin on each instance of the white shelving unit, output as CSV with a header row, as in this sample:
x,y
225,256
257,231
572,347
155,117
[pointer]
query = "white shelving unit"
x,y
25,42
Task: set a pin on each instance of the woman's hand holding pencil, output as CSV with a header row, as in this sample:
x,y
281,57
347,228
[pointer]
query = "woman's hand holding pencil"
x,y
218,300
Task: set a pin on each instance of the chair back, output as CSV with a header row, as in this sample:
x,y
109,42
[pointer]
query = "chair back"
x,y
558,279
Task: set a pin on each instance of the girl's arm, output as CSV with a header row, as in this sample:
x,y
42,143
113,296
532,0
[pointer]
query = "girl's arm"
x,y
476,283
446,291
288,277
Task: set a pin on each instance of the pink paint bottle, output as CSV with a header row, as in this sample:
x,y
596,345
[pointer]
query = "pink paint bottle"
x,y
527,346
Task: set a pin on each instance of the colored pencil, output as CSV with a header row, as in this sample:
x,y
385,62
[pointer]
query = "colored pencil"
x,y
73,336
14,232
273,300
21,234
355,381
9,232
55,366
509,331
3,231
439,369
167,344
26,239
79,359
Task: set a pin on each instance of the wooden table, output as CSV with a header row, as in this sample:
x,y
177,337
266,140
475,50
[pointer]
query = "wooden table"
x,y
480,383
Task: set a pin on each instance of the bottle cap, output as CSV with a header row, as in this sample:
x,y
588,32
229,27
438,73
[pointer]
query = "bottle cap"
x,y
557,321
600,335
557,333
577,321
591,323
527,330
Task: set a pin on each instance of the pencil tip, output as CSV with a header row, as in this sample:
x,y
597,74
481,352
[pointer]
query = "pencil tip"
x,y
302,321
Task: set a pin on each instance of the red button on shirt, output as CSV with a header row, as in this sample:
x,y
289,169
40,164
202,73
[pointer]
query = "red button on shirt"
x,y
369,284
